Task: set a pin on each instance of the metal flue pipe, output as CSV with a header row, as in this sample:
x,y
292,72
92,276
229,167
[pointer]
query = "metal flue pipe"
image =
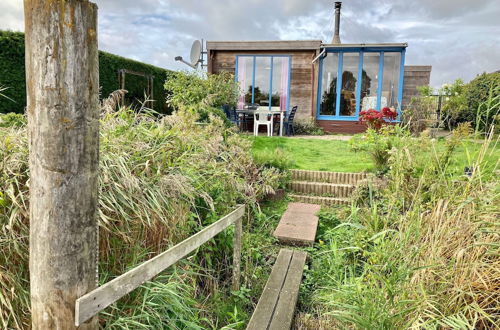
x,y
336,36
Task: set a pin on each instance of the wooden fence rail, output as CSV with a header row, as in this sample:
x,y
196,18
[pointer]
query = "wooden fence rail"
x,y
93,302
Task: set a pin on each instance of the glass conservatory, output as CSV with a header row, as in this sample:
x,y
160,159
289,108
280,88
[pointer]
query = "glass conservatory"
x,y
353,78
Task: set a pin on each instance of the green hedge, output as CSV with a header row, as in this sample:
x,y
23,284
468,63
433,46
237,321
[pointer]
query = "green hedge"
x,y
12,75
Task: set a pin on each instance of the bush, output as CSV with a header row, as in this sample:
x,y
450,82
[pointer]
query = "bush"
x,y
417,114
307,127
161,179
378,144
483,101
13,75
12,120
202,93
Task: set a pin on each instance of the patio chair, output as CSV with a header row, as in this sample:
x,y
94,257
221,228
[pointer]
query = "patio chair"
x,y
288,122
232,115
263,117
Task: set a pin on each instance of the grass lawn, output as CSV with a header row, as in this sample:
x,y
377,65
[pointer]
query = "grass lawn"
x,y
315,154
337,156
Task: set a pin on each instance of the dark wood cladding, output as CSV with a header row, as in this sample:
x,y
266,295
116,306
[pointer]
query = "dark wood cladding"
x,y
303,75
342,127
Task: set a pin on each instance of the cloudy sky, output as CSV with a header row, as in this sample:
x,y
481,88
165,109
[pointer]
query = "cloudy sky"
x,y
459,38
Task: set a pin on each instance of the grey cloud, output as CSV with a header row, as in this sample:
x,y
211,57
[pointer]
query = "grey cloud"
x,y
459,38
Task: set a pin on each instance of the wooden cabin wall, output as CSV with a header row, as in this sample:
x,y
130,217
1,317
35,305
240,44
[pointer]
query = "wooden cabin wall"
x,y
304,75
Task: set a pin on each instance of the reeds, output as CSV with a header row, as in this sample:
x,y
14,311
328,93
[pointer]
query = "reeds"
x,y
161,179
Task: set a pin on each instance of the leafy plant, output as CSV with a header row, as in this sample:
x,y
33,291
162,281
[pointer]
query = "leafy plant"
x,y
307,127
12,120
379,143
376,119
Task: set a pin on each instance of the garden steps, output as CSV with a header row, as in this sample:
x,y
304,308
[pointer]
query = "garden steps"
x,y
327,201
329,177
324,188
339,190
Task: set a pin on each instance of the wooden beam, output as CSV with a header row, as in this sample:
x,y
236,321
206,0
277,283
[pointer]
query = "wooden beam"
x,y
95,301
238,233
292,45
63,121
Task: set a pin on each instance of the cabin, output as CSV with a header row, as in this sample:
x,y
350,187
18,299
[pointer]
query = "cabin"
x,y
330,83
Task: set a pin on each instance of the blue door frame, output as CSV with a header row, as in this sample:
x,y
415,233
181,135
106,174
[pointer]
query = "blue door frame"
x,y
360,51
271,56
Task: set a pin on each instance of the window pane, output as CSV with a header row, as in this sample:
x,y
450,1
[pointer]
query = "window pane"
x,y
329,85
390,80
369,83
349,82
262,80
245,76
279,96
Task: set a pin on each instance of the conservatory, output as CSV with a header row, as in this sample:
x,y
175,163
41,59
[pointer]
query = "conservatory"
x,y
357,77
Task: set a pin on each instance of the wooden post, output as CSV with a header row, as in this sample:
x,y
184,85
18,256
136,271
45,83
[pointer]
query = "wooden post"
x,y
63,121
238,231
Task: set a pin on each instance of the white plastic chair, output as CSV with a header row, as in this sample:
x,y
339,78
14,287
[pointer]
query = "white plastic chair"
x,y
263,117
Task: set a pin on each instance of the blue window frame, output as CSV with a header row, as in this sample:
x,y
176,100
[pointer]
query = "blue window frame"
x,y
358,87
264,79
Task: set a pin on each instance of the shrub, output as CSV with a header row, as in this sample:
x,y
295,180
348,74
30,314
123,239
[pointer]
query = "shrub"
x,y
483,101
417,114
307,127
12,120
378,144
454,102
13,74
161,179
376,119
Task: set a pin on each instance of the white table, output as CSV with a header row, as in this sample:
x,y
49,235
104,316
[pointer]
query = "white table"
x,y
273,112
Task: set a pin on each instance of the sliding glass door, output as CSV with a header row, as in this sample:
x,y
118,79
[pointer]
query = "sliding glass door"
x,y
264,81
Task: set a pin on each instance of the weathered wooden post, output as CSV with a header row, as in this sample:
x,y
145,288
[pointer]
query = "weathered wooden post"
x,y
238,231
63,120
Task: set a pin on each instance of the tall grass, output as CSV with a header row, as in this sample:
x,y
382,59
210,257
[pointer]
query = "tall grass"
x,y
421,251
161,179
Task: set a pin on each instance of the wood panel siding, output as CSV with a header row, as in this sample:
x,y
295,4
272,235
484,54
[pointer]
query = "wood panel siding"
x,y
342,127
303,77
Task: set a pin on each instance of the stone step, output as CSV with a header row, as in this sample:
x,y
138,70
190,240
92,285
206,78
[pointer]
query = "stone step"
x,y
322,188
327,201
298,224
330,177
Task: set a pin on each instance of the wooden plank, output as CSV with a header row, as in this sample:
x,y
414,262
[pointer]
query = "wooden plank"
x,y
285,308
238,233
98,299
264,45
267,302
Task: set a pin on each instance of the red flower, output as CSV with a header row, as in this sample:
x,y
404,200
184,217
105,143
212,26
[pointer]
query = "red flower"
x,y
375,119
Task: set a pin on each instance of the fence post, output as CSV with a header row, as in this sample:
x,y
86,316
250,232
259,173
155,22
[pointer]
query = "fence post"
x,y
238,231
63,120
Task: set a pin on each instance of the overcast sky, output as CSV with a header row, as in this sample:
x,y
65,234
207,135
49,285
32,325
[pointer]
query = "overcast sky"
x,y
458,38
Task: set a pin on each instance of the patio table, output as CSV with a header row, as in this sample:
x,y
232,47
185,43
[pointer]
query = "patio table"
x,y
273,112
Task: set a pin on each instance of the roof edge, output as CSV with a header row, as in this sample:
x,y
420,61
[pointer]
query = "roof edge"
x,y
264,45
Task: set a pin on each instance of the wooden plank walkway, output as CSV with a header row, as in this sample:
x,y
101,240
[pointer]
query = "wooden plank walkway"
x,y
298,224
276,305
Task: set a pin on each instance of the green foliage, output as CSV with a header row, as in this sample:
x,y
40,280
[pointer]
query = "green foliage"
x,y
12,71
477,102
12,120
202,93
378,144
161,180
109,65
307,127
483,100
13,75
419,253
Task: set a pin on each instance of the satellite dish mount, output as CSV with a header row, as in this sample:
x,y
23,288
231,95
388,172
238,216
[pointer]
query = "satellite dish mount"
x,y
196,56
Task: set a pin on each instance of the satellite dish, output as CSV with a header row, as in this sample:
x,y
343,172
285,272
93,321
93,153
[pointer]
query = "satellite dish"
x,y
195,52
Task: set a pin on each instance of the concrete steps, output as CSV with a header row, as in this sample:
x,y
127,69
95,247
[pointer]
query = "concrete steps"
x,y
324,188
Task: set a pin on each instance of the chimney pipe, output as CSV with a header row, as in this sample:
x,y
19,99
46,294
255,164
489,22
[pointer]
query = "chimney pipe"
x,y
336,36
